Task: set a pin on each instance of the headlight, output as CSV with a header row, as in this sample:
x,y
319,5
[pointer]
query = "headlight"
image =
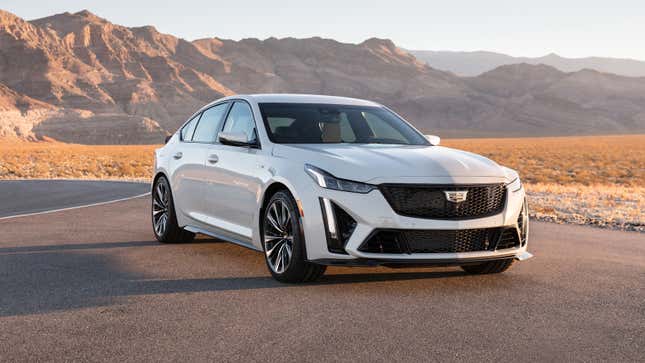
x,y
326,180
515,185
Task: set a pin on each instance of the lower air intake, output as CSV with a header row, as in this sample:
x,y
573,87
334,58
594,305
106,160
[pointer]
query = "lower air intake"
x,y
440,241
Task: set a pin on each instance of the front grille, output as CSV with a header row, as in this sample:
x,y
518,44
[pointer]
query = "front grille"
x,y
463,240
431,241
429,201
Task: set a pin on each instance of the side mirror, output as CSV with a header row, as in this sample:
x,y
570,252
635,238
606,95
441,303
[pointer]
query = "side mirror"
x,y
433,139
236,139
168,137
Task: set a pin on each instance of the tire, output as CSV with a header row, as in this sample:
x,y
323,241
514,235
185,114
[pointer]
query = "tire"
x,y
492,267
164,219
283,242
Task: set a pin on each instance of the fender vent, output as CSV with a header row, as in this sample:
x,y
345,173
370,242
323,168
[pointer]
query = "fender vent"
x,y
339,226
508,239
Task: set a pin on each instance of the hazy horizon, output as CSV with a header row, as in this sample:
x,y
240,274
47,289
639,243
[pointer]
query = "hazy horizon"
x,y
576,29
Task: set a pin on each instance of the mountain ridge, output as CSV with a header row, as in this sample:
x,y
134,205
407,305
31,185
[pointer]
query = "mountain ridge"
x,y
474,63
81,78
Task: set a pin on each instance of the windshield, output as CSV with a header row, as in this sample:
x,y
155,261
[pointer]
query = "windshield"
x,y
298,123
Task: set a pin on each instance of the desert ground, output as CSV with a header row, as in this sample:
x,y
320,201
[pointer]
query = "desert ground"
x,y
592,180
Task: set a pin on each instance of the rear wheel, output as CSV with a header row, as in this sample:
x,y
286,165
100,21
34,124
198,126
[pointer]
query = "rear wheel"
x,y
164,219
283,242
492,267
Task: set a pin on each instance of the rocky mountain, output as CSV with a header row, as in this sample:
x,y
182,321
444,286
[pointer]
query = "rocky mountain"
x,y
539,98
470,64
79,78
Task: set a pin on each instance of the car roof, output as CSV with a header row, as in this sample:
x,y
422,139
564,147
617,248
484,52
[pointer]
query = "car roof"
x,y
304,98
297,98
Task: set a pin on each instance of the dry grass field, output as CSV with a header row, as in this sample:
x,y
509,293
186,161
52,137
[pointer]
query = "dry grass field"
x,y
565,160
595,180
598,180
50,160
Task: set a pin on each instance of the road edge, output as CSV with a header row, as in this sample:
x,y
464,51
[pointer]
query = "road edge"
x,y
76,206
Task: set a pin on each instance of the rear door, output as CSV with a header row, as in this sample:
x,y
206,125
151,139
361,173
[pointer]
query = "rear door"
x,y
185,164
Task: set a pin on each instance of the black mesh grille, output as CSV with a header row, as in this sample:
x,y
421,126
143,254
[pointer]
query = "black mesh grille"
x,y
429,201
431,241
464,240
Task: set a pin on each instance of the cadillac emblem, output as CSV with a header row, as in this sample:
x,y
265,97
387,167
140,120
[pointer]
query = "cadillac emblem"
x,y
456,196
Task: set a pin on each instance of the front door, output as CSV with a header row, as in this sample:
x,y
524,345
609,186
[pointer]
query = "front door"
x,y
233,182
191,183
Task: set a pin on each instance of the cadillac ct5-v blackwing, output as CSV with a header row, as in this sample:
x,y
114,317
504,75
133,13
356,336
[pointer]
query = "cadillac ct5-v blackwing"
x,y
313,181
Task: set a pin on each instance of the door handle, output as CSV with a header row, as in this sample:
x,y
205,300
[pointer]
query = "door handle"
x,y
178,155
212,158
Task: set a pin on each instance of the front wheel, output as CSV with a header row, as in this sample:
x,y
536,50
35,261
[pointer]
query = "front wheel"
x,y
492,267
283,242
164,219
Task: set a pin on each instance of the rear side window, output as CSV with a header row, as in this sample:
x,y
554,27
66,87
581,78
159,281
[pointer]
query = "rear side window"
x,y
189,128
209,124
240,119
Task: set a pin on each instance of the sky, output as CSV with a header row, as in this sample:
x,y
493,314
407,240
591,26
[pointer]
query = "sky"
x,y
570,28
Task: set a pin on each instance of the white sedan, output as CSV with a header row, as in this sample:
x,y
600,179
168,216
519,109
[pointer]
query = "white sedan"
x,y
313,181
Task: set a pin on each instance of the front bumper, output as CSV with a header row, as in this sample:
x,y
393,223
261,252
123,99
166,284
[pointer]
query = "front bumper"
x,y
366,262
372,212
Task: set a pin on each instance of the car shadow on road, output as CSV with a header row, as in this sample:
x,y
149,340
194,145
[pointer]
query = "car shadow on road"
x,y
93,246
76,246
42,279
262,282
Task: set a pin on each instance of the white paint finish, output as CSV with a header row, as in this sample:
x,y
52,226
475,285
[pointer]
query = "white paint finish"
x,y
226,196
232,186
366,163
223,224
186,177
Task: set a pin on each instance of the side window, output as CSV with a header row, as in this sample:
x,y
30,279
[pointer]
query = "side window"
x,y
208,125
240,119
187,131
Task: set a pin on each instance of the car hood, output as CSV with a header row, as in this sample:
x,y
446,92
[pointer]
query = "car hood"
x,y
370,162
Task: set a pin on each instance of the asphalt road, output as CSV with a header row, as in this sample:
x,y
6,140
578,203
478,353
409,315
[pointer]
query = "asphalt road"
x,y
34,196
91,284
